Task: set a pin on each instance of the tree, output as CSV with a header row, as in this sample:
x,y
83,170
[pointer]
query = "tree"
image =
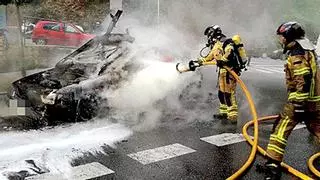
x,y
5,2
18,3
81,12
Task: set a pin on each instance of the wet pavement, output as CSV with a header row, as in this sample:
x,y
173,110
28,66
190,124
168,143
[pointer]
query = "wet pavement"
x,y
207,162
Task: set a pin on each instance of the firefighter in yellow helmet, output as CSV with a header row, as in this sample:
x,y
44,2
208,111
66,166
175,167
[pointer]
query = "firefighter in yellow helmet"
x,y
303,87
231,53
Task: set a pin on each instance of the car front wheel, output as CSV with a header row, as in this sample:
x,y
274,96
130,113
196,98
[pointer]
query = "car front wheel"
x,y
41,42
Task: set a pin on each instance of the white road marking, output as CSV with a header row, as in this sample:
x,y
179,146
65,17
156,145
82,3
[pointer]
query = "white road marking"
x,y
230,138
161,153
224,139
82,172
263,71
267,70
46,176
267,65
13,103
276,70
299,126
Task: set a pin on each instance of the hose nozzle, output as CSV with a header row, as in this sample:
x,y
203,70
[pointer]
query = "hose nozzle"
x,y
181,68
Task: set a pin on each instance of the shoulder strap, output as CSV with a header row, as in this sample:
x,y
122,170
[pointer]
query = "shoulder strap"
x,y
226,42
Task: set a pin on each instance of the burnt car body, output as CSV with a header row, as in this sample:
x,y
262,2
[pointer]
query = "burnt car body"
x,y
68,91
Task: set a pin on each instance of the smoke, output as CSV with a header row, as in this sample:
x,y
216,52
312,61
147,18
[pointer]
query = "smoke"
x,y
135,102
157,92
252,20
137,99
255,20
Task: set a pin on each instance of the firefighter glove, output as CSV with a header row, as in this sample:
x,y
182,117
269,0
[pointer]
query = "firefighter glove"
x,y
193,65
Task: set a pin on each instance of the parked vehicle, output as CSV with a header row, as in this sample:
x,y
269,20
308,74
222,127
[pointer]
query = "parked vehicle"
x,y
80,28
59,33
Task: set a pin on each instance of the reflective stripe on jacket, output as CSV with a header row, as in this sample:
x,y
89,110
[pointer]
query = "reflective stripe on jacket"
x,y
300,71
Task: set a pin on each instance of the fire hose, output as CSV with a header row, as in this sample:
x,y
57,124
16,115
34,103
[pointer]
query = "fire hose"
x,y
254,142
284,165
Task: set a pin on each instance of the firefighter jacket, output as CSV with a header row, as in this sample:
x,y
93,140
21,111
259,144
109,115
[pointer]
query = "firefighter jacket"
x,y
302,77
219,54
228,52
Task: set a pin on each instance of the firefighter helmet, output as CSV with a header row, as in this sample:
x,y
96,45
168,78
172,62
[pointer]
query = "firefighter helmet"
x,y
291,31
213,31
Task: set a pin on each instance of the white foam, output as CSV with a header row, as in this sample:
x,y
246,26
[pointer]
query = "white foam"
x,y
53,149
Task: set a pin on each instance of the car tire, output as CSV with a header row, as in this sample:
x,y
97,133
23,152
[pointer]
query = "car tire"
x,y
41,42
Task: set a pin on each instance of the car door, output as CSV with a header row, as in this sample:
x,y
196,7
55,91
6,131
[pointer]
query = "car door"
x,y
72,36
53,33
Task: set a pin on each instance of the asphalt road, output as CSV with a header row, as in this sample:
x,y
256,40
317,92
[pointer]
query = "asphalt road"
x,y
211,149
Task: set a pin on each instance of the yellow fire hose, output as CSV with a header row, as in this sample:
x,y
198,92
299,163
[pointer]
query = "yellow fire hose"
x,y
254,142
310,164
264,153
254,114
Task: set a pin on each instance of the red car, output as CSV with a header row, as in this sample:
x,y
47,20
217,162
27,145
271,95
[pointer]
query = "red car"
x,y
58,33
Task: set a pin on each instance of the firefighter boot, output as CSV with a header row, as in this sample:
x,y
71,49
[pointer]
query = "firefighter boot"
x,y
232,114
222,112
272,170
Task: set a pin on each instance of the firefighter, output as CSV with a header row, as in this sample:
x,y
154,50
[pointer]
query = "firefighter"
x,y
227,52
302,81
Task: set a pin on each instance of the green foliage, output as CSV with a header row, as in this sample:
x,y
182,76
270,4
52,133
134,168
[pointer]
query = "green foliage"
x,y
305,12
93,10
17,2
5,2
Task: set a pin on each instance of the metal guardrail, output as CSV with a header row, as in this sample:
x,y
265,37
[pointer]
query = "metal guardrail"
x,y
3,93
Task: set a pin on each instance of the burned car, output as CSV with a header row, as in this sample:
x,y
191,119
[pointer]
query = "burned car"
x,y
68,91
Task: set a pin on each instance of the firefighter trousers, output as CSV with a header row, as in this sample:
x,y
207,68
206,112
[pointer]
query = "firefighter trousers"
x,y
226,94
284,125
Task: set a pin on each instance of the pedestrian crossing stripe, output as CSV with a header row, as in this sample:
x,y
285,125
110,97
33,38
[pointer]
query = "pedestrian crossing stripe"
x,y
224,139
267,65
276,70
267,70
161,153
264,71
82,172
